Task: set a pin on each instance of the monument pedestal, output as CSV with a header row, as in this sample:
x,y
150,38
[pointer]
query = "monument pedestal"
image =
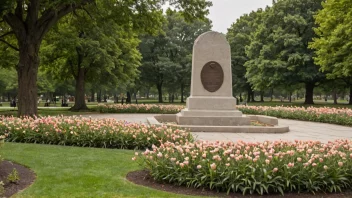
x,y
211,106
211,102
212,120
211,111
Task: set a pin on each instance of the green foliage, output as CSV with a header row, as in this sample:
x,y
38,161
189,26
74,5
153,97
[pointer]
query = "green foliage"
x,y
45,82
8,56
8,81
27,23
254,168
87,132
238,36
13,177
5,5
340,116
270,48
167,56
131,108
279,50
333,43
102,48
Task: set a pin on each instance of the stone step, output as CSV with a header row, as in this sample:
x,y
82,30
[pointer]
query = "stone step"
x,y
212,120
210,113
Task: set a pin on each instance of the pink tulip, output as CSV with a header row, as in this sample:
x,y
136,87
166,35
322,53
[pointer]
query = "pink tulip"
x,y
213,166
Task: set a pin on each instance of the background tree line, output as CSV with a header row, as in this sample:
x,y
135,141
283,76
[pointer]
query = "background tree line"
x,y
121,48
293,44
86,27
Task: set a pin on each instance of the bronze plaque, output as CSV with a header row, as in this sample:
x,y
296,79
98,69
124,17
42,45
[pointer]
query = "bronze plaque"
x,y
212,76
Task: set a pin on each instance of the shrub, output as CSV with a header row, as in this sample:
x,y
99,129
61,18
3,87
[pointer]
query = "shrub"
x,y
13,177
341,116
141,108
87,132
263,168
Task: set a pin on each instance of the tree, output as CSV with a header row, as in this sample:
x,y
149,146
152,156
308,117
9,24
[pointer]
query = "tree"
x,y
167,57
182,35
333,43
89,50
279,50
238,36
155,64
30,20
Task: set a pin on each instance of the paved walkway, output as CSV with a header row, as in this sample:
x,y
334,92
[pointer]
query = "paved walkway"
x,y
299,130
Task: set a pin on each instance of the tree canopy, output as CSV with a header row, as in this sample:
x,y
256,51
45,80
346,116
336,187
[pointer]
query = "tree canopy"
x,y
333,43
28,21
167,57
276,46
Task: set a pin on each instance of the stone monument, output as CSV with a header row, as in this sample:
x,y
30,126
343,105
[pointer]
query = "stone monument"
x,y
211,102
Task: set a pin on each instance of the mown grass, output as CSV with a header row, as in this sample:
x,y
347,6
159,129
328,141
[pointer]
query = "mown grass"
x,y
78,172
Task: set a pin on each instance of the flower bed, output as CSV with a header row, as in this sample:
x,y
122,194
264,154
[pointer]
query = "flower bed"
x,y
86,132
261,168
341,116
140,108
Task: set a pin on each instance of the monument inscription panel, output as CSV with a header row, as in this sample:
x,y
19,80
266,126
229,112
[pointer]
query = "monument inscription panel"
x,y
212,76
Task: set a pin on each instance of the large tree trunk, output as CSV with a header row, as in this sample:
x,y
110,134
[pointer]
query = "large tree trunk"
x,y
309,93
29,30
148,93
27,71
80,102
128,98
160,92
262,96
182,90
350,99
252,96
249,92
290,97
334,95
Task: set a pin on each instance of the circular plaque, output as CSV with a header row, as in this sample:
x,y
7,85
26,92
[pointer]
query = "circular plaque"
x,y
212,76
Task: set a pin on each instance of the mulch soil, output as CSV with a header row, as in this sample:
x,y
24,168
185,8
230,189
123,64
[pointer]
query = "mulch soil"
x,y
143,178
25,174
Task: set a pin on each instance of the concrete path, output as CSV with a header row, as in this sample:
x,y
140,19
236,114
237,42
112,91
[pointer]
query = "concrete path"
x,y
299,130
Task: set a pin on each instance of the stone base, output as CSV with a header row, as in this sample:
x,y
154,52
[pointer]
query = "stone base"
x,y
206,113
211,111
211,103
212,120
223,129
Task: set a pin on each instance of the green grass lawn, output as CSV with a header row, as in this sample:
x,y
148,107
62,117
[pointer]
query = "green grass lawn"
x,y
78,172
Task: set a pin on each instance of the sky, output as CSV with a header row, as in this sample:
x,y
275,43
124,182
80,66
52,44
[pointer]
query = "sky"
x,y
225,12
